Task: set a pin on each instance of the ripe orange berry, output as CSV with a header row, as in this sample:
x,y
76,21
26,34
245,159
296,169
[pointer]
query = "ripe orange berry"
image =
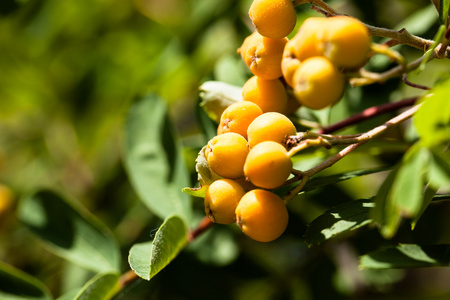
x,y
269,95
237,117
306,43
221,200
318,83
226,154
346,42
263,55
289,62
271,126
268,165
262,215
274,19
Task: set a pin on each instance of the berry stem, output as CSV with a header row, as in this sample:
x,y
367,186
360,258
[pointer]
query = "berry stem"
x,y
368,77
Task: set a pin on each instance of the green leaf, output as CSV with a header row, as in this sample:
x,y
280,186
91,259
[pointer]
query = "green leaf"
x,y
217,96
402,193
153,159
432,120
323,181
407,256
437,39
407,188
147,259
17,285
383,213
444,6
101,287
70,231
196,192
438,170
338,221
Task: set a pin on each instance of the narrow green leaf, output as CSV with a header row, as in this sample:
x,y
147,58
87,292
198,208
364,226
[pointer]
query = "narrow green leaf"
x,y
101,287
407,256
153,159
427,197
338,221
383,213
17,285
196,192
323,181
70,231
407,188
217,96
444,6
439,171
147,259
318,182
437,39
432,120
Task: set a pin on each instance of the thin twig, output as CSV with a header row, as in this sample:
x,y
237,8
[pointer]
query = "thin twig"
x,y
368,113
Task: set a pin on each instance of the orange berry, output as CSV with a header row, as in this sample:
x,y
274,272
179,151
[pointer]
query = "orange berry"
x,y
317,83
309,37
262,215
237,117
346,42
269,95
268,165
289,62
271,126
274,19
226,154
263,55
221,200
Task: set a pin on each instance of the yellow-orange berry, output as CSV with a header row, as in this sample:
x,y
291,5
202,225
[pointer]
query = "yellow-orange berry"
x,y
226,154
237,117
268,165
318,83
289,62
274,19
263,55
221,200
271,126
346,41
308,38
262,215
269,95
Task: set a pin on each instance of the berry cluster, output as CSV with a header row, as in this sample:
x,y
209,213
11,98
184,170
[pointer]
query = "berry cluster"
x,y
314,58
248,154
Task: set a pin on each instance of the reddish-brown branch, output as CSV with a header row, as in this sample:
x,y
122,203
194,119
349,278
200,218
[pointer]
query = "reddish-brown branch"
x,y
127,278
367,114
202,226
412,84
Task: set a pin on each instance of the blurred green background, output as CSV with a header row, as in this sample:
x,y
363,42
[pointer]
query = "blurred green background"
x,y
69,71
